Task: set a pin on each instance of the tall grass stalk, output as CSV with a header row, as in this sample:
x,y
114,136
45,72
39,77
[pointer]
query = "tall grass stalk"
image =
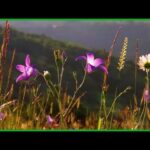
x,y
3,52
105,86
20,104
108,61
121,62
137,50
10,70
111,110
75,93
120,67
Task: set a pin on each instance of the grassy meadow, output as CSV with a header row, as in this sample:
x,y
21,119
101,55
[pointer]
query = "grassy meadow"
x,y
69,87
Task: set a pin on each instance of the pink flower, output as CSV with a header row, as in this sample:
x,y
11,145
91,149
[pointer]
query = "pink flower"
x,y
51,122
92,63
49,119
27,71
146,95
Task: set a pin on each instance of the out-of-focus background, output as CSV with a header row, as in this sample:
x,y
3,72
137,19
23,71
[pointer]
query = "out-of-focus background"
x,y
40,38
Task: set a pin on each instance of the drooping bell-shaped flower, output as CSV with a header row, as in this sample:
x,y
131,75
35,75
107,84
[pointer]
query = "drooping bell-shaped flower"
x,y
91,63
27,71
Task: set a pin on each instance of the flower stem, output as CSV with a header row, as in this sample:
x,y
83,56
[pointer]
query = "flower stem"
x,y
75,93
142,114
120,94
147,77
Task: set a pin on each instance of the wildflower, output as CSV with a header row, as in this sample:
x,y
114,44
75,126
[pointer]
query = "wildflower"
x,y
144,63
1,116
46,73
27,71
91,63
146,95
51,122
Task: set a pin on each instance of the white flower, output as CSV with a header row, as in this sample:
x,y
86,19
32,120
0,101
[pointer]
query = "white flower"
x,y
144,62
46,73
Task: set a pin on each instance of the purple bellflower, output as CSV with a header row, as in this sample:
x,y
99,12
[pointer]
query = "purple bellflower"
x,y
146,95
91,63
27,71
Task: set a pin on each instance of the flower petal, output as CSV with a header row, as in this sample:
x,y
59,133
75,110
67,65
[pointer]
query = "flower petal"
x,y
20,68
35,72
103,68
29,71
147,97
21,77
143,59
49,119
90,57
146,94
89,68
148,57
27,60
98,61
80,58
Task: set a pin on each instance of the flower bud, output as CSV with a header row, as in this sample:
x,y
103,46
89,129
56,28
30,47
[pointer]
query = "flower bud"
x,y
46,75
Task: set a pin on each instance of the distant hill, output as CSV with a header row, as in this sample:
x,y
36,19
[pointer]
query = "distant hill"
x,y
92,34
40,48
